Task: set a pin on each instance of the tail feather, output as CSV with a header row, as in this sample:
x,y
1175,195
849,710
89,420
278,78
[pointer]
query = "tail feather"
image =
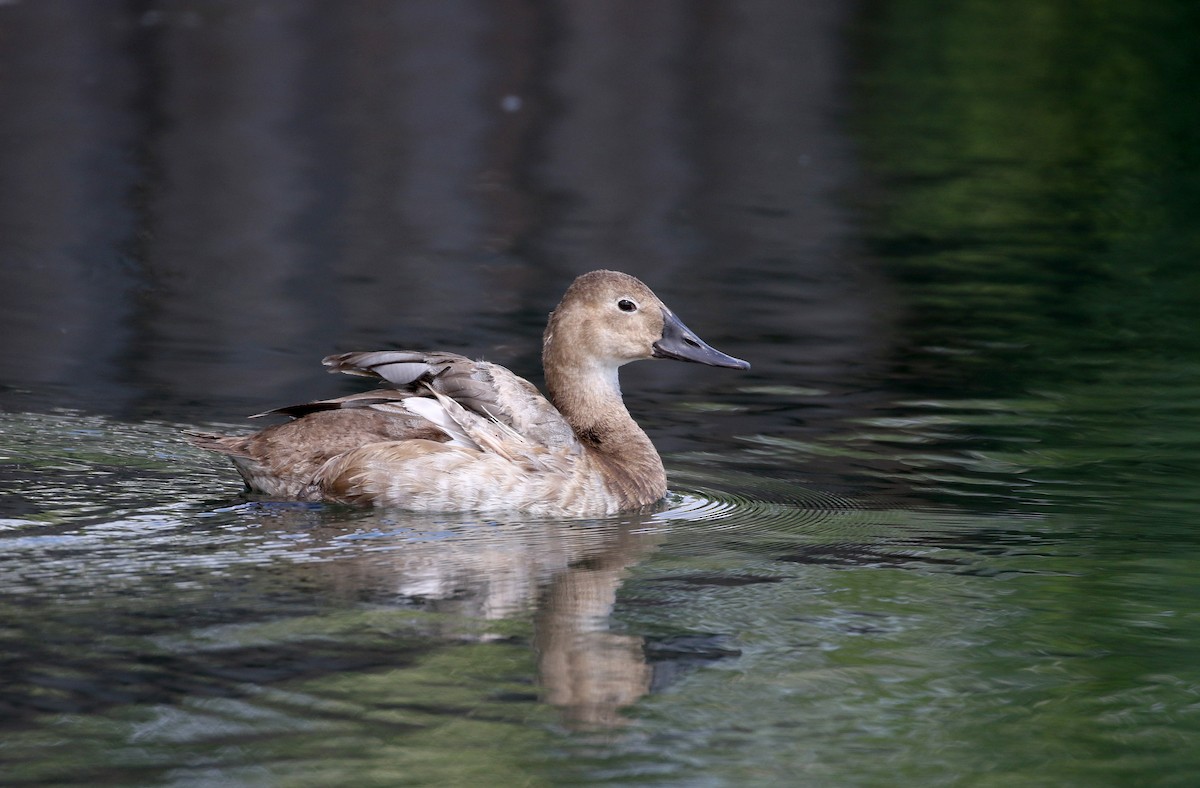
x,y
231,445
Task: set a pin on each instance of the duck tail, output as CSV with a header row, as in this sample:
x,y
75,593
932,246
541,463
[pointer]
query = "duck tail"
x,y
231,445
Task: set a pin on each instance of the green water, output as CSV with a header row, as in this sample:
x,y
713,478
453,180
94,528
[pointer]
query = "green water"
x,y
972,562
1041,185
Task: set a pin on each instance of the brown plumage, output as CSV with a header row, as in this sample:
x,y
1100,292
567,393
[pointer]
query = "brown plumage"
x,y
452,434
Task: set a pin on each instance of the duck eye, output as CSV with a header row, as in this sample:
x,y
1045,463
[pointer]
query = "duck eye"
x,y
625,305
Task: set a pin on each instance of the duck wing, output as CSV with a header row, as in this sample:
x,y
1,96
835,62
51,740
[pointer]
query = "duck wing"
x,y
485,400
363,399
437,406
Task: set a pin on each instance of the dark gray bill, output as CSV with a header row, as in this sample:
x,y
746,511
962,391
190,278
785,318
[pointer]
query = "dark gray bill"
x,y
679,342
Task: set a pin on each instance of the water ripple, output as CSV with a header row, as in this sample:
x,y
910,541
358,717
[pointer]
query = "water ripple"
x,y
746,501
785,523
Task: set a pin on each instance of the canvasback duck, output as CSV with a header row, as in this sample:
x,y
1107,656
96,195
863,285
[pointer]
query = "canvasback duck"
x,y
452,434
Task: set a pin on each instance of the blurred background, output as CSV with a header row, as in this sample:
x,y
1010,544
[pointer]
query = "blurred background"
x,y
201,199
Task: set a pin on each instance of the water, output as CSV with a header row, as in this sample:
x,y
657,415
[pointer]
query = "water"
x,y
942,533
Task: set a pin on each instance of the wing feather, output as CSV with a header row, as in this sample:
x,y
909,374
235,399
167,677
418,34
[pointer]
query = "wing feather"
x,y
513,408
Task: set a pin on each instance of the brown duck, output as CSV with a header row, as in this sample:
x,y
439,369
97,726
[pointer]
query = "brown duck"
x,y
452,434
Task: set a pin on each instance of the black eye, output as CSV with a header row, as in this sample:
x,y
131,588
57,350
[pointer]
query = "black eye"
x,y
625,305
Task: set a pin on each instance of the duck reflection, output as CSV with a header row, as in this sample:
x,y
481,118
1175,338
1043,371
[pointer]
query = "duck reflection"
x,y
565,574
587,670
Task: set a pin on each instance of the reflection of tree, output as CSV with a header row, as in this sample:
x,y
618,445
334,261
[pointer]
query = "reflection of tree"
x,y
472,157
1038,203
1038,164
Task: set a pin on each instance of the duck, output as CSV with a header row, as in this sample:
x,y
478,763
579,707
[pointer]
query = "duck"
x,y
445,433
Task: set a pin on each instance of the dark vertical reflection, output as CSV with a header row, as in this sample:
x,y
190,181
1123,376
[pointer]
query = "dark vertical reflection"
x,y
517,45
775,163
66,282
613,158
221,255
238,189
316,183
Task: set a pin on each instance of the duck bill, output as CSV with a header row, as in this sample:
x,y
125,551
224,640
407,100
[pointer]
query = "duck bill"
x,y
681,343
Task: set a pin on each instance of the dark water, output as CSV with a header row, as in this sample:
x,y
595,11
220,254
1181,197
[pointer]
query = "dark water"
x,y
944,532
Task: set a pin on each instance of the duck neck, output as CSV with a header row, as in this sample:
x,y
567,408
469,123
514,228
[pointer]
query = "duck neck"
x,y
589,398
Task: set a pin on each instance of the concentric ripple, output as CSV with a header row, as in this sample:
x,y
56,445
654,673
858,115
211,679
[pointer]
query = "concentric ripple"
x,y
746,501
782,522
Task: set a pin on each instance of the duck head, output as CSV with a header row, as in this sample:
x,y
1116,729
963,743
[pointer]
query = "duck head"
x,y
607,319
